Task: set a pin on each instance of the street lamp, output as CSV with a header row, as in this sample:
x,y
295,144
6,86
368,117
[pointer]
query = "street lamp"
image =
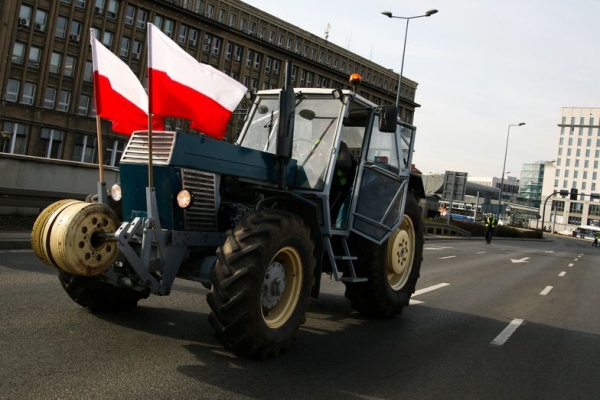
x,y
504,167
390,15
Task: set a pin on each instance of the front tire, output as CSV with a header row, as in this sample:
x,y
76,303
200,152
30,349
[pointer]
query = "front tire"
x,y
392,268
261,284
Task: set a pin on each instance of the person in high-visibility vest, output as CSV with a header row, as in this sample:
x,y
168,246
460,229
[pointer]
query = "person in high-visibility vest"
x,y
490,224
342,181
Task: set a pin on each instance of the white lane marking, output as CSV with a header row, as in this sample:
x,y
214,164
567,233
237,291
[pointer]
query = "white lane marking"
x,y
481,252
562,273
437,248
430,288
570,265
415,302
546,290
549,251
445,258
522,260
507,332
18,251
575,259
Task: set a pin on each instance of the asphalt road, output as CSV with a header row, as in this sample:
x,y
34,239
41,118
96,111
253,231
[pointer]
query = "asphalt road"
x,y
514,319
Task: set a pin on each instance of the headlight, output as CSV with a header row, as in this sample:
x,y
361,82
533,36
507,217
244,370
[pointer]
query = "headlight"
x,y
184,198
115,192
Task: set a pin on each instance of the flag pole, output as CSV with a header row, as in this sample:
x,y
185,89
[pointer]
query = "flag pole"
x,y
102,196
150,175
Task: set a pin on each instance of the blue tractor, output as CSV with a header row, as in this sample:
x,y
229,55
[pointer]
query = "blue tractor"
x,y
255,221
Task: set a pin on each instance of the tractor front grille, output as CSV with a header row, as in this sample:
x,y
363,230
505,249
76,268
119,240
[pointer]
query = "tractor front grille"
x,y
202,214
136,151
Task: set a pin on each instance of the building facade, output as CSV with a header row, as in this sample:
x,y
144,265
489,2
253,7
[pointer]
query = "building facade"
x,y
530,185
577,167
47,107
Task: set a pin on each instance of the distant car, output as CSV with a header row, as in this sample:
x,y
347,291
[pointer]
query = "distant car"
x,y
566,232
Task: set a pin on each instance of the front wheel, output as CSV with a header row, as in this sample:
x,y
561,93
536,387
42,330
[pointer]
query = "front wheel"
x,y
392,268
261,284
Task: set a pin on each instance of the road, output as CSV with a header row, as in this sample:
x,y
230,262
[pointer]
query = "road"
x,y
514,319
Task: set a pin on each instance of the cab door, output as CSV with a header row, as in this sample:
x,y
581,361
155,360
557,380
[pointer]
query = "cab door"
x,y
378,204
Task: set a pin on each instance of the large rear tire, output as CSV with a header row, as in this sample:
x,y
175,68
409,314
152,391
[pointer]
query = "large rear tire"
x,y
97,296
392,268
261,284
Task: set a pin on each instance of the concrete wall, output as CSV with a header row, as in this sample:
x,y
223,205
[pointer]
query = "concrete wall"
x,y
28,184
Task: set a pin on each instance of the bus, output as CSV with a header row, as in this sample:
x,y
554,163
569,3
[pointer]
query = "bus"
x,y
587,231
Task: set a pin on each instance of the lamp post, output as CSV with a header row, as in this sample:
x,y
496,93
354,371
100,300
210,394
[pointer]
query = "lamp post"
x,y
390,15
504,167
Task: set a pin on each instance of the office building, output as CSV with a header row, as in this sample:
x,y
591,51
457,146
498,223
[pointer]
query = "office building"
x,y
576,167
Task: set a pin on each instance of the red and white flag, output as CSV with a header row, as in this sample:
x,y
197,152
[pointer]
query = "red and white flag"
x,y
182,87
120,97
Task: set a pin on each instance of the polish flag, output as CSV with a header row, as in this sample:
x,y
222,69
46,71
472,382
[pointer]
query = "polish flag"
x,y
182,87
120,97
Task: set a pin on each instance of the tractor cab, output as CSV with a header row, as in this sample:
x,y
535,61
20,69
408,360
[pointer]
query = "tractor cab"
x,y
380,146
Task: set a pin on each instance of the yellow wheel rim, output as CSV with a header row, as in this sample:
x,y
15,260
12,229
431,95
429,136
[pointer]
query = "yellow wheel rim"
x,y
400,254
281,287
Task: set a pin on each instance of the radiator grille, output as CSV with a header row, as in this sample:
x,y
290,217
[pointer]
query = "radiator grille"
x,y
136,151
202,215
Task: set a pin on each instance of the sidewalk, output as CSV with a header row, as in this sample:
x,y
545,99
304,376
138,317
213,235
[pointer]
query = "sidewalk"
x,y
15,240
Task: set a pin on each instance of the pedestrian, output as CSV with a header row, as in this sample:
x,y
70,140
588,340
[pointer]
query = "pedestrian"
x,y
490,224
595,244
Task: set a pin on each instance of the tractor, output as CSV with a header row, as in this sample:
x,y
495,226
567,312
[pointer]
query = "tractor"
x,y
254,220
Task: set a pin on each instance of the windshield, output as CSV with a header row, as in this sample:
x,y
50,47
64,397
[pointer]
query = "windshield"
x,y
315,125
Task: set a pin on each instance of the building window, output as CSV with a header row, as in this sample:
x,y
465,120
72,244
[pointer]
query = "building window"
x,y
228,48
276,67
232,20
289,44
16,140
142,17
193,37
182,37
64,100
70,63
576,208
216,46
168,29
12,90
18,54
125,43
84,148
87,71
559,206
129,15
280,40
99,6
222,15
207,40
25,15
198,6
41,18
83,105
107,38
28,95
80,3
53,140
243,24
256,60
113,151
55,63
113,9
49,97
75,30
210,10
61,27
249,58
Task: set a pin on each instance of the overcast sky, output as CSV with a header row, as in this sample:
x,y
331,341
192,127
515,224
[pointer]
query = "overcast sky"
x,y
480,64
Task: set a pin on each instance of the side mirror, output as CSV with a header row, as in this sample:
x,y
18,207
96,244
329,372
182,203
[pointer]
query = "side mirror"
x,y
388,118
